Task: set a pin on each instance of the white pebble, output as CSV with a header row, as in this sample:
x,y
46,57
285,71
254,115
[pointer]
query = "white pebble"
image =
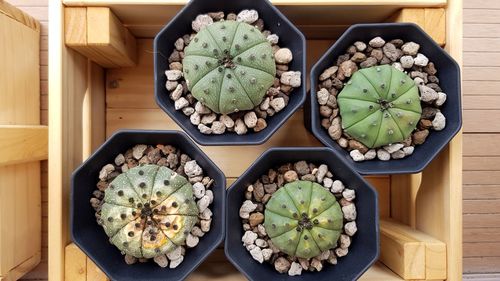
x,y
257,254
119,160
277,104
291,78
340,252
273,39
371,154
181,103
246,208
173,74
400,154
210,194
161,260
427,94
267,253
218,128
393,147
264,105
323,96
410,48
406,61
383,155
248,16
441,99
138,151
201,21
202,109
439,122
177,262
421,60
327,182
196,231
205,225
208,119
345,241
261,229
188,111
228,122
175,254
295,269
195,118
106,170
249,238
324,255
177,93
356,155
350,228
337,187
192,169
377,42
408,150
205,215
398,66
349,194
203,203
192,241
198,190
261,243
349,212
171,85
283,56
360,46
250,119
240,128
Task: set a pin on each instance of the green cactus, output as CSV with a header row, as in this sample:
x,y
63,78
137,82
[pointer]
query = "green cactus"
x,y
303,219
229,66
148,211
379,105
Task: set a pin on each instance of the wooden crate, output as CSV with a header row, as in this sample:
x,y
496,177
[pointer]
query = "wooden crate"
x,y
23,143
91,97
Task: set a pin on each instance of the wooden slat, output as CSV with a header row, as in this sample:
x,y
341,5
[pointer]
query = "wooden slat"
x,y
481,59
481,177
481,4
76,264
487,206
483,249
482,234
481,30
481,145
481,264
481,73
434,264
94,273
481,102
481,163
481,44
481,192
481,220
481,88
481,16
20,144
474,121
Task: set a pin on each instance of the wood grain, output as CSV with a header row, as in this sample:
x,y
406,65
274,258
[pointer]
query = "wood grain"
x,y
21,144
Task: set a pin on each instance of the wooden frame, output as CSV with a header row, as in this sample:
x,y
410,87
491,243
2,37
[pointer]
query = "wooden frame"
x,y
419,212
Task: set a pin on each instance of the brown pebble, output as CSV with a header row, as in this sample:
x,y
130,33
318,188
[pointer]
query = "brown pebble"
x,y
255,219
420,136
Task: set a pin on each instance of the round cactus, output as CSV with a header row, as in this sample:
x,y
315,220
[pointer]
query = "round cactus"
x,y
379,105
303,219
148,211
229,66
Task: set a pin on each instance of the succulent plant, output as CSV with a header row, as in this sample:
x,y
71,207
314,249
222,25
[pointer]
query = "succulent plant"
x,y
148,211
303,219
379,105
229,66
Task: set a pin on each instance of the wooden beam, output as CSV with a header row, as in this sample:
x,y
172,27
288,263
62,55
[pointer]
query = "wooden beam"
x,y
75,268
431,20
435,250
21,144
99,35
404,191
18,15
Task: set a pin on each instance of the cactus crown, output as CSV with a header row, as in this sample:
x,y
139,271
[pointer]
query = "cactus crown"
x,y
229,66
380,105
148,211
303,219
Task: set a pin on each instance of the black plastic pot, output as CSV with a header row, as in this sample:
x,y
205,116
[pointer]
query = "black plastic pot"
x,y
364,249
290,37
449,77
90,237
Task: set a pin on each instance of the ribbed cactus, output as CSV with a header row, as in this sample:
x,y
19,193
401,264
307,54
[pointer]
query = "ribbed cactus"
x,y
148,211
229,66
379,105
303,219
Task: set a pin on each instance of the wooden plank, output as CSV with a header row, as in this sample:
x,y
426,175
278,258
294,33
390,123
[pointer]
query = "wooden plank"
x,y
481,88
473,121
483,249
76,264
481,30
481,177
403,255
481,4
75,21
431,20
485,206
481,102
481,145
435,250
476,235
20,144
481,16
19,271
404,191
94,109
481,264
481,163
480,73
474,191
19,16
481,59
481,220
94,273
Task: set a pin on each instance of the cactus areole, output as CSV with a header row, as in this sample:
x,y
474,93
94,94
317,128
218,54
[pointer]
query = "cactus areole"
x,y
303,219
229,66
379,105
148,211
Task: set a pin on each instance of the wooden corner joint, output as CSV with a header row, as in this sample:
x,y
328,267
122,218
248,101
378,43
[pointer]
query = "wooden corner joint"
x,y
431,20
410,253
99,35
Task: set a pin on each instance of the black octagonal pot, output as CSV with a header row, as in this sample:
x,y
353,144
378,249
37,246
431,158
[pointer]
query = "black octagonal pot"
x,y
449,77
276,22
364,249
90,237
